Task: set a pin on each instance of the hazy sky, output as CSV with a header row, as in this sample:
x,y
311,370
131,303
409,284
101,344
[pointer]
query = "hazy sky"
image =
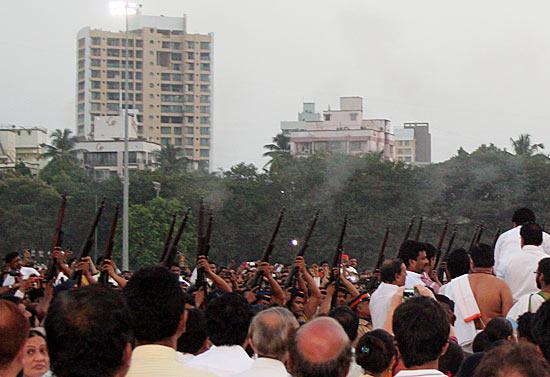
x,y
477,71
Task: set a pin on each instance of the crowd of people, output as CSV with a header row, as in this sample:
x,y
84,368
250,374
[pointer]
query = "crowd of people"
x,y
487,315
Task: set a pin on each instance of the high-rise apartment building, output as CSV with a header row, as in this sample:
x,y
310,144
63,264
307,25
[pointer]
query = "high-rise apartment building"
x,y
169,82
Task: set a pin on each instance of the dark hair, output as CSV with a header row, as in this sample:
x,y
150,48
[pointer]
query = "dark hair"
x,y
228,317
421,330
458,263
389,269
450,362
531,233
374,353
14,329
156,303
410,250
544,269
348,319
431,250
523,215
521,358
11,256
192,340
525,326
481,342
541,329
498,328
483,256
88,330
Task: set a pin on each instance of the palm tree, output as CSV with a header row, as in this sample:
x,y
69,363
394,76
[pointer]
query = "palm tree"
x,y
62,145
278,148
170,160
523,147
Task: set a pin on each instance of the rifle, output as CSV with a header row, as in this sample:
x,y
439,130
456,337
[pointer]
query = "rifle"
x,y
419,231
52,263
173,247
408,232
380,259
474,238
445,256
497,234
168,237
291,279
201,240
270,246
480,232
440,243
104,276
206,249
89,241
337,262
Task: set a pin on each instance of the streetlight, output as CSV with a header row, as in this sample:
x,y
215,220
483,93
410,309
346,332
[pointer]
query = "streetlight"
x,y
156,186
125,8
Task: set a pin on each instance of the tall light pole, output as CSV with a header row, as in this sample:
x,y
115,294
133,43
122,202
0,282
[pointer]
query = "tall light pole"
x,y
125,8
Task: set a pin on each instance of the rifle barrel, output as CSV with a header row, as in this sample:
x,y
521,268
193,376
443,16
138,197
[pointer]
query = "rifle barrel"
x,y
337,262
89,241
270,246
168,237
419,230
173,248
380,259
104,276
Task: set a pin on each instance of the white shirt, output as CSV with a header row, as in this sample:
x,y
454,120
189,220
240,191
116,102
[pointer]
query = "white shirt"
x,y
509,244
25,273
413,279
419,373
519,271
184,358
223,361
522,306
380,304
265,367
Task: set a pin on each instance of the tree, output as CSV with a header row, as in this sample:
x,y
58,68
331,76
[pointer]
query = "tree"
x,y
170,159
523,147
279,147
62,145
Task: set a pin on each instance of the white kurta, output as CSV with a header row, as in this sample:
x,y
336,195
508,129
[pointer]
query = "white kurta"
x,y
380,304
519,271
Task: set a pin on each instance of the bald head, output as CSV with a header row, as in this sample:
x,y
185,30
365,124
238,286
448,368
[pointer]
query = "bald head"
x,y
270,332
320,348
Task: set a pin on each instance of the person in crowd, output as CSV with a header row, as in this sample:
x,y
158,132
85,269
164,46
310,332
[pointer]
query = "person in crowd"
x,y
499,329
421,330
520,280
14,328
89,333
392,274
509,244
36,360
449,363
269,336
517,360
158,319
361,305
376,354
320,348
228,317
413,254
525,328
429,275
349,320
15,272
194,340
530,302
307,297
541,329
457,264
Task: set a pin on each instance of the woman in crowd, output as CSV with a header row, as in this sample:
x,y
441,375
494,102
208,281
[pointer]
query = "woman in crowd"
x,y
376,354
36,361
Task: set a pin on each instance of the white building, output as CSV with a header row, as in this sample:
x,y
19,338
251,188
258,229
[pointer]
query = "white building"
x,y
21,144
339,131
413,143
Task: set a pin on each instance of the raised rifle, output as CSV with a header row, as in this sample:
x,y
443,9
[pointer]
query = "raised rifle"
x,y
201,241
89,241
380,259
440,243
270,246
419,230
104,276
168,237
206,249
495,239
291,279
52,263
173,247
445,256
479,233
474,238
337,262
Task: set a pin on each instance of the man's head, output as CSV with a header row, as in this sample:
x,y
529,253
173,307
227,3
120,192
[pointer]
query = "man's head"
x,y
89,332
531,234
431,254
543,273
541,329
393,271
14,329
348,319
175,269
421,331
458,263
513,360
522,216
497,329
413,254
320,348
156,303
228,317
353,262
13,260
270,332
193,340
297,304
482,256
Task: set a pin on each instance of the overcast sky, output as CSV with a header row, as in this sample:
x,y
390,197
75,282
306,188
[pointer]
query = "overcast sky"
x,y
477,71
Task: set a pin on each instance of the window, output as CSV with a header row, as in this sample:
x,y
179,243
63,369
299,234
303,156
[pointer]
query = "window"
x,y
205,66
96,107
139,54
96,84
96,95
165,44
113,63
205,78
204,153
112,96
205,45
176,56
139,43
96,51
100,158
113,52
353,116
191,44
165,130
355,146
177,141
205,99
139,97
205,109
80,107
176,77
188,108
189,87
139,65
189,120
165,76
81,75
130,75
113,85
188,141
165,140
96,62
170,109
205,120
96,40
113,74
112,107
113,42
171,98
177,130
205,56
81,64
81,85
205,130
81,96
139,76
189,98
189,77
190,66
138,86
205,142
189,130
190,55
176,67
205,88
176,45
327,117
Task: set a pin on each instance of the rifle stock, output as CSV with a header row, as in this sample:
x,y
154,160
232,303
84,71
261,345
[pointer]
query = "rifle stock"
x,y
380,259
173,247
89,241
337,262
52,263
449,248
440,243
271,245
168,237
104,276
